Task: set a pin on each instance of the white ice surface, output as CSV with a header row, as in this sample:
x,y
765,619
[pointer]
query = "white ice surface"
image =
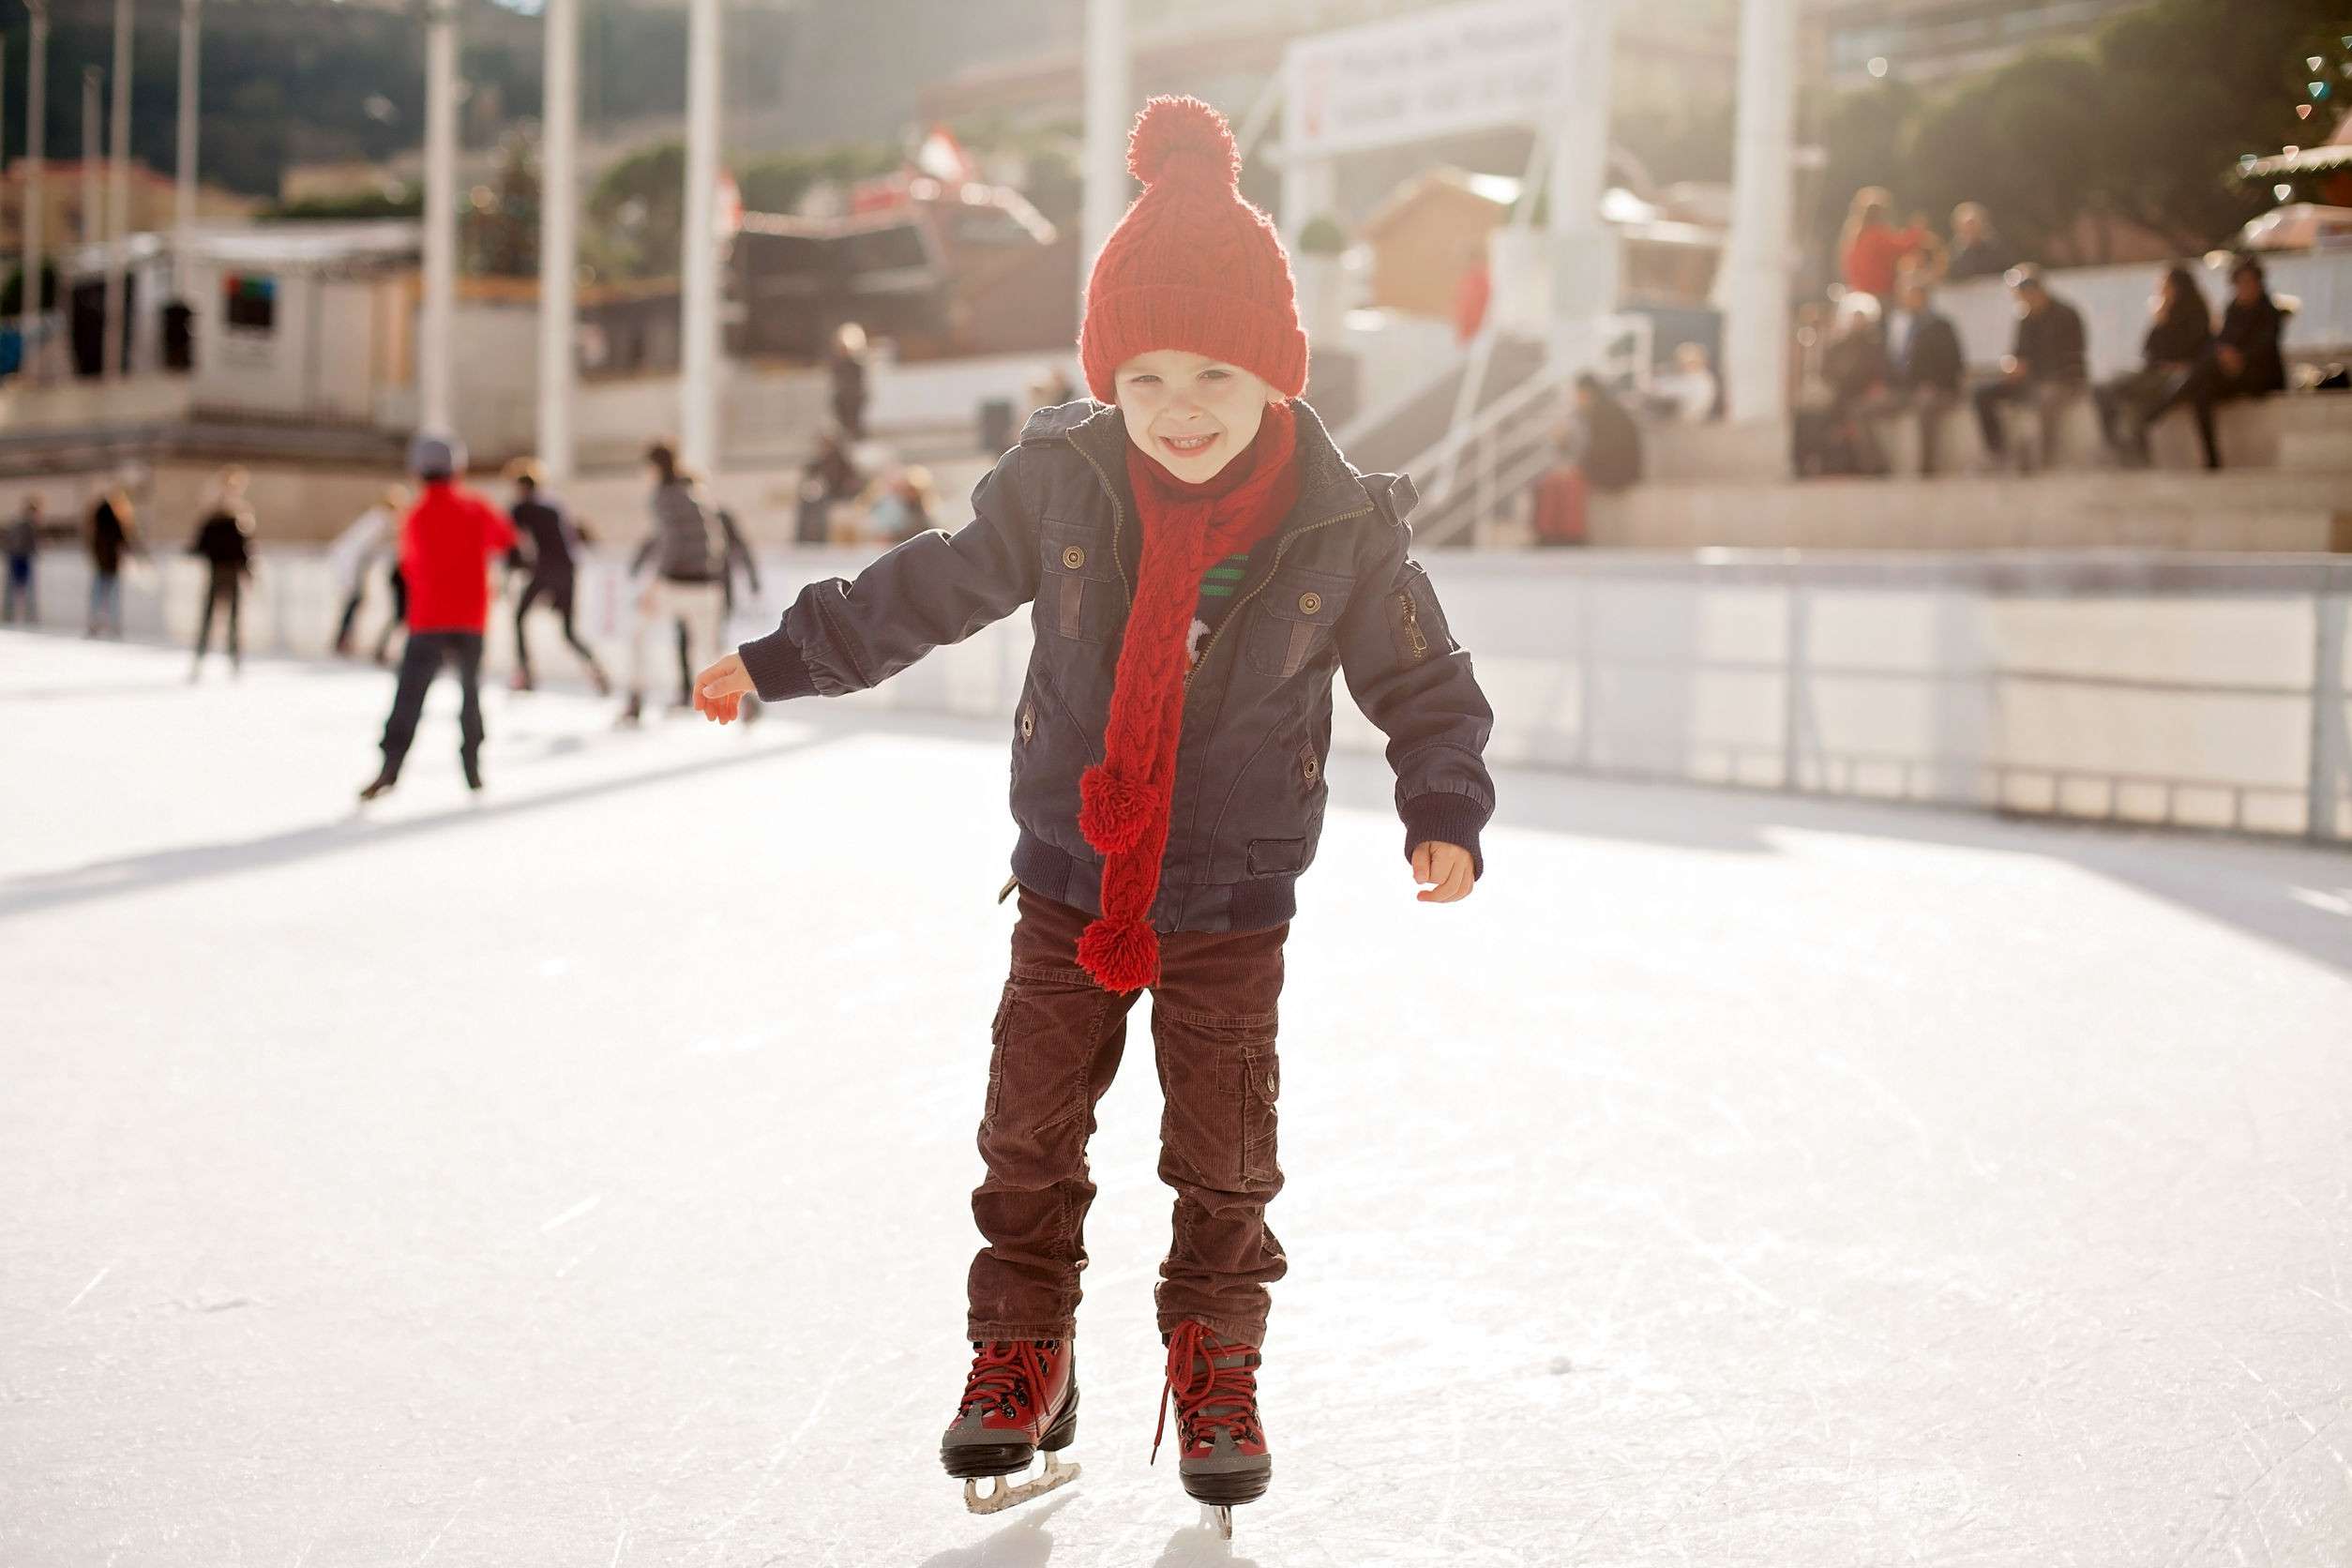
x,y
579,1177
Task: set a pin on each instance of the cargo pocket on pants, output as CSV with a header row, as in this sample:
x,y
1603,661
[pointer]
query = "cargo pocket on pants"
x,y
1261,1086
996,1058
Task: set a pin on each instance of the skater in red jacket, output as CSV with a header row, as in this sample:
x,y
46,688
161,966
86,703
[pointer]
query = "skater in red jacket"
x,y
447,542
1201,561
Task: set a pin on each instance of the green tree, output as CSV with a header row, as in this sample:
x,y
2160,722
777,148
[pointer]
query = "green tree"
x,y
636,215
2188,88
2024,141
501,235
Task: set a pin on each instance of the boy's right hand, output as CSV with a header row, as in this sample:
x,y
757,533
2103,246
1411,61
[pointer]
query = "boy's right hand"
x,y
719,690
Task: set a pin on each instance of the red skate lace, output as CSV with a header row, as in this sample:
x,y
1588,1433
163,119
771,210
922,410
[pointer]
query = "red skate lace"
x,y
1006,1373
1229,1388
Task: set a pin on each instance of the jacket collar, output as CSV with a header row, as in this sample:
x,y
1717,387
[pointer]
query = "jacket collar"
x,y
1329,485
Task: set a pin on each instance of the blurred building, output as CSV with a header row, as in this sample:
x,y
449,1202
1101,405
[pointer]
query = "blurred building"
x,y
151,202
1927,40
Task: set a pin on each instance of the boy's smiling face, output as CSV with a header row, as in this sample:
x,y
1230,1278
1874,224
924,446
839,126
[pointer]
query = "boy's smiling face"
x,y
1193,414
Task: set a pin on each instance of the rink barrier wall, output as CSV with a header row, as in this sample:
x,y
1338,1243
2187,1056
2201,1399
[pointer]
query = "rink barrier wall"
x,y
2151,689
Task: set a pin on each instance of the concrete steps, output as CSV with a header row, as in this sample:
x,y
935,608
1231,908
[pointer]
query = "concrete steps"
x,y
2274,510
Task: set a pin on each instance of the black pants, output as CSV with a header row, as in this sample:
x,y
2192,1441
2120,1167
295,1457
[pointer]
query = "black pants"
x,y
226,588
399,612
351,614
419,663
2044,397
2204,385
2129,403
557,591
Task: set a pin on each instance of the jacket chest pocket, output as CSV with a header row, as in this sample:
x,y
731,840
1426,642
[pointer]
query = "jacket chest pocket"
x,y
1293,619
1077,581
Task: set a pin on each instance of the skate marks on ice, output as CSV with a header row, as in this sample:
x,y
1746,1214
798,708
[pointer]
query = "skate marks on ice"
x,y
1203,1546
1026,1543
1023,1544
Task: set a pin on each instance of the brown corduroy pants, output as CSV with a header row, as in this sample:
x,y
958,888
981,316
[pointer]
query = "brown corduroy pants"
x,y
1058,1038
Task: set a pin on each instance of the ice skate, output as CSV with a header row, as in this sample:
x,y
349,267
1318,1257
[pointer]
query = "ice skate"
x,y
1222,1455
1021,1400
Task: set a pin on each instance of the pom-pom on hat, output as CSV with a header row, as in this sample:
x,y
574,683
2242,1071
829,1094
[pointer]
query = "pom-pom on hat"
x,y
1191,266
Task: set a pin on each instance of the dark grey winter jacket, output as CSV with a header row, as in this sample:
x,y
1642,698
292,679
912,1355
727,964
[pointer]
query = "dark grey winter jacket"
x,y
1333,591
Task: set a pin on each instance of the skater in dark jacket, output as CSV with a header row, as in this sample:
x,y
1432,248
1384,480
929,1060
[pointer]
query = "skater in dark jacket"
x,y
225,541
114,533
1201,563
545,534
23,539
447,542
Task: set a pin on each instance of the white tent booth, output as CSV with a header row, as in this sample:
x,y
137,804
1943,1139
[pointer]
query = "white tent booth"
x,y
1505,63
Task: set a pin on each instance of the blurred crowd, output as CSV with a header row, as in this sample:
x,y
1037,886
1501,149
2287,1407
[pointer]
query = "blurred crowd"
x,y
1881,353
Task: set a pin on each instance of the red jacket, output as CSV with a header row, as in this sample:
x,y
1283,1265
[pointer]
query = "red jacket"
x,y
446,546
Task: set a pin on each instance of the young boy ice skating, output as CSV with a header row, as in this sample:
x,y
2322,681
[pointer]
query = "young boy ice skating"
x,y
1202,560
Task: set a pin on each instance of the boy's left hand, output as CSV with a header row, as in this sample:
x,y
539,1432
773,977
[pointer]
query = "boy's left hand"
x,y
1443,872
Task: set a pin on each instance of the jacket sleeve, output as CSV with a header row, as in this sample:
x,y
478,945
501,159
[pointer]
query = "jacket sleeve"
x,y
1413,681
841,635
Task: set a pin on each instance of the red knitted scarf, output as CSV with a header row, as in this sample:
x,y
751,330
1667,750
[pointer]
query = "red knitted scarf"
x,y
1123,803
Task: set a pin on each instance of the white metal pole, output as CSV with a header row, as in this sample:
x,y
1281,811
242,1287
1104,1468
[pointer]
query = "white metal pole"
x,y
438,327
184,211
559,194
697,381
117,336
1104,174
1584,262
1752,285
35,195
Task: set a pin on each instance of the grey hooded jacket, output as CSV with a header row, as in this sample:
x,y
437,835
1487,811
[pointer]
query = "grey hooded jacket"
x,y
1333,591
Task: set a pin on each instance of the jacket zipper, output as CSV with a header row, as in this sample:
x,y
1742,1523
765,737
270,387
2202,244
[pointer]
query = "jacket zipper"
x,y
1243,603
1117,518
1412,625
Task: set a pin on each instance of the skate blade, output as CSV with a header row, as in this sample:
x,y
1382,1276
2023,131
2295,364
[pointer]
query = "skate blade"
x,y
1001,1497
1220,1519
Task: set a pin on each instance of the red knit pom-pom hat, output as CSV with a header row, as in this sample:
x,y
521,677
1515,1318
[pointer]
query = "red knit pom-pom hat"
x,y
1191,266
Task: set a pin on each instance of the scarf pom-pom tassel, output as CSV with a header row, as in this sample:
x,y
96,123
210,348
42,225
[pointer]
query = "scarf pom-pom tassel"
x,y
1112,812
1121,955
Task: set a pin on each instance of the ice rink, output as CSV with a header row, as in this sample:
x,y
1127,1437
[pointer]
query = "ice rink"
x,y
579,1175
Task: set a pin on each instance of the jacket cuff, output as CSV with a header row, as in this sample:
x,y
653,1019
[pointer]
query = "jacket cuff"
x,y
1449,817
777,671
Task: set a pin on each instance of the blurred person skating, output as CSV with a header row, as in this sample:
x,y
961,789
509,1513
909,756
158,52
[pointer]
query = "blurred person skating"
x,y
368,539
225,542
1925,370
547,537
448,543
2179,336
739,556
678,574
906,507
1051,387
22,540
2245,360
1600,450
1202,564
2045,366
114,535
830,476
849,366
